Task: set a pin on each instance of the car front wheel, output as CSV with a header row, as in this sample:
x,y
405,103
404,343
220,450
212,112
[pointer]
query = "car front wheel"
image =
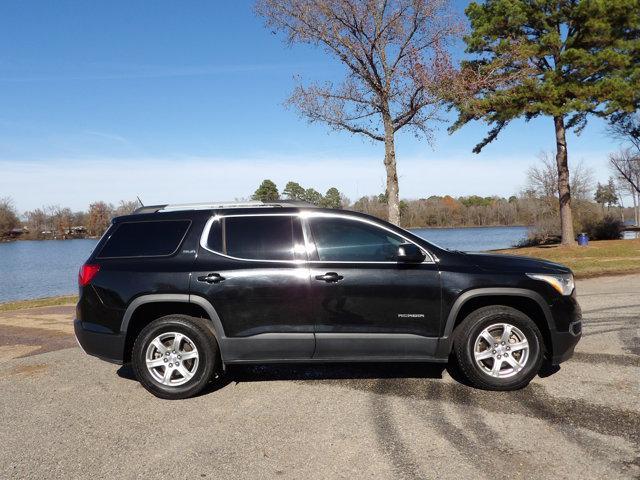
x,y
174,357
498,348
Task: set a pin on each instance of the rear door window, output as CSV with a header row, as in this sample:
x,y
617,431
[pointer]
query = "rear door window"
x,y
145,239
259,237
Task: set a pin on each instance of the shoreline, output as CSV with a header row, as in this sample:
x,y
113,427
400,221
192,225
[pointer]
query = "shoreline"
x,y
467,226
13,240
38,302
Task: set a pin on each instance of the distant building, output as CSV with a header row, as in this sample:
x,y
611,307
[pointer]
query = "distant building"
x,y
15,233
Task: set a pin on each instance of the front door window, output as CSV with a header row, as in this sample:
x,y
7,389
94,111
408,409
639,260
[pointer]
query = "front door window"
x,y
343,240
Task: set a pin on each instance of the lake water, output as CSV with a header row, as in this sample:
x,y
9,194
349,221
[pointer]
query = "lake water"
x,y
34,269
473,239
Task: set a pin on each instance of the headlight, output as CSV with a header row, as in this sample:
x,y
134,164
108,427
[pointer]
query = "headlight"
x,y
563,283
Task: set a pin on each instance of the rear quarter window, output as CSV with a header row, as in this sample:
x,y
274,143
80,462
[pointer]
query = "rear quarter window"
x,y
145,239
257,237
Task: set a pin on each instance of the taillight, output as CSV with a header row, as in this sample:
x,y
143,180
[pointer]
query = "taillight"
x,y
86,274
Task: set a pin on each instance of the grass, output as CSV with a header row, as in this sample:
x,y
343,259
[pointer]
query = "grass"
x,y
599,258
38,302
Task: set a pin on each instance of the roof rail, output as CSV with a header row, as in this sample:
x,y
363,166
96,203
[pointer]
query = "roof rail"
x,y
292,203
148,209
224,205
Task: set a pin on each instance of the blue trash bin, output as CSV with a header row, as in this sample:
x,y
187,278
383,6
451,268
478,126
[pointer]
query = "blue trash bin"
x,y
583,240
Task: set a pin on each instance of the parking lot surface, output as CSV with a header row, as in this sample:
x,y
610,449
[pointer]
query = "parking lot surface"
x,y
67,415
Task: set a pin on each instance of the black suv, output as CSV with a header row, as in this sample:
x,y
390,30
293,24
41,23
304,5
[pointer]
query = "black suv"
x,y
181,291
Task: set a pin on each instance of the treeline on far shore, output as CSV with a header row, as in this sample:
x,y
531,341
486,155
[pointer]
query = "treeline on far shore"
x,y
59,223
433,211
598,209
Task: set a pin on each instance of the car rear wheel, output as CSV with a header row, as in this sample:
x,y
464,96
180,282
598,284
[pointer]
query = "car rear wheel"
x,y
174,357
498,348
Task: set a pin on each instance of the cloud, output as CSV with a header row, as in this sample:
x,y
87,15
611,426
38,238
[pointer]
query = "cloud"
x,y
180,179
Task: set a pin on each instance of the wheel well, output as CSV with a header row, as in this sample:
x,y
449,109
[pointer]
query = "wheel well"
x,y
526,305
148,312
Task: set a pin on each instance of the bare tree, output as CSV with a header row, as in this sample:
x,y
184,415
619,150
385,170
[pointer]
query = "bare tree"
x,y
541,195
543,179
62,221
626,165
380,43
126,207
100,214
8,216
626,127
36,222
625,188
49,212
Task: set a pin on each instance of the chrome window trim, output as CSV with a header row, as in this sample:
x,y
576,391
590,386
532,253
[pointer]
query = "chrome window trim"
x,y
303,215
217,217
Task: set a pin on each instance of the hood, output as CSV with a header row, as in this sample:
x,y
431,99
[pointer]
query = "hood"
x,y
514,263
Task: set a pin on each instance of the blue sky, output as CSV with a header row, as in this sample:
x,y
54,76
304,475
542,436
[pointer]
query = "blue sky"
x,y
183,101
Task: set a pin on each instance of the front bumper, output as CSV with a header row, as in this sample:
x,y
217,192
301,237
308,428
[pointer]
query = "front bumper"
x,y
104,345
564,344
567,316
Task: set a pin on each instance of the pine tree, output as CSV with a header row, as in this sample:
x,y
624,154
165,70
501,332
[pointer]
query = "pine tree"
x,y
565,59
311,195
266,192
332,199
293,191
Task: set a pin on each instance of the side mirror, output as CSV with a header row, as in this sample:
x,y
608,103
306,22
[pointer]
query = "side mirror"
x,y
410,253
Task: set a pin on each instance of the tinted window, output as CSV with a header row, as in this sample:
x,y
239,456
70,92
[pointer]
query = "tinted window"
x,y
214,242
145,239
258,237
340,239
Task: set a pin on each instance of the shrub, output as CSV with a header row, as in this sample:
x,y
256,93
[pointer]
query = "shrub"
x,y
607,228
545,231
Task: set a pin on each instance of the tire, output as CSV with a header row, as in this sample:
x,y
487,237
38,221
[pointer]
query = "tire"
x,y
186,377
517,363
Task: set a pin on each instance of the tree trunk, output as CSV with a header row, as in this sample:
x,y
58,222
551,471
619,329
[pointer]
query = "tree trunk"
x,y
621,205
393,193
636,208
564,191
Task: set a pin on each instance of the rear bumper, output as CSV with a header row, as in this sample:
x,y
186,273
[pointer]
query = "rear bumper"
x,y
106,346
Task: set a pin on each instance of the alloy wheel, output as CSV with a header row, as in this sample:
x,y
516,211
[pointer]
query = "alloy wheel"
x,y
172,359
501,350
